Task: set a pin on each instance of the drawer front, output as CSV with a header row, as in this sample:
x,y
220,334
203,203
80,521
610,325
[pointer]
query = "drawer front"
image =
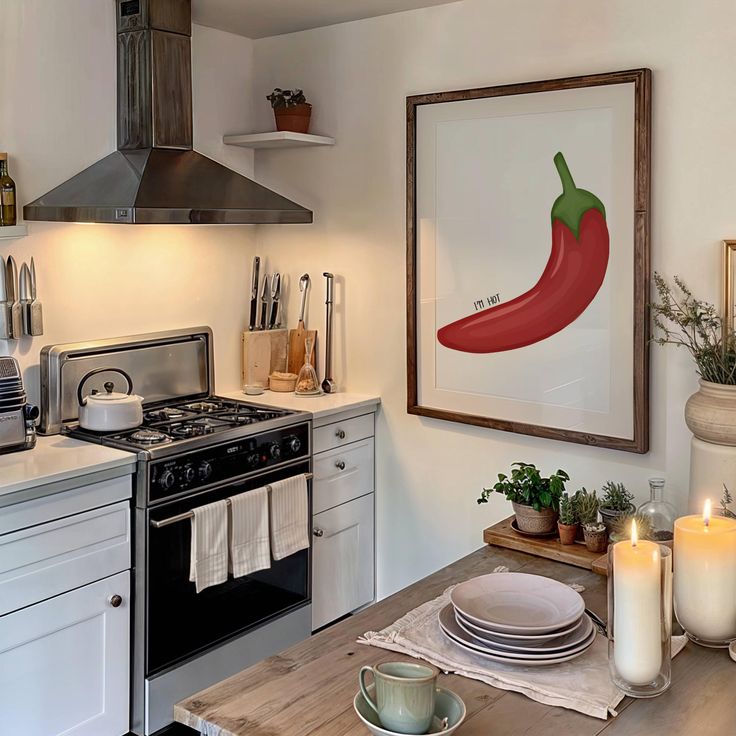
x,y
343,560
64,663
65,503
342,474
339,434
45,560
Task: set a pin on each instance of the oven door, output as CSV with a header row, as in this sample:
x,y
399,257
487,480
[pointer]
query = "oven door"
x,y
180,622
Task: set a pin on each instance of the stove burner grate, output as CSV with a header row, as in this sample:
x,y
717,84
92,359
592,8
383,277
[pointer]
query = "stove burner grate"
x,y
204,407
149,437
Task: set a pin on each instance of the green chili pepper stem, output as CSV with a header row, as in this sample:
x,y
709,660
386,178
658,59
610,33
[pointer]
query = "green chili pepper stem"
x,y
573,203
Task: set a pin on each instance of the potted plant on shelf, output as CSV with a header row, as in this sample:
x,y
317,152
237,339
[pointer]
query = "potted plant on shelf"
x,y
684,321
567,524
621,527
594,533
290,109
536,499
615,502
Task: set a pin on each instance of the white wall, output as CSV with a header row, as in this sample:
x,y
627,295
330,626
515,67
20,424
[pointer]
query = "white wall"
x,y
357,75
58,116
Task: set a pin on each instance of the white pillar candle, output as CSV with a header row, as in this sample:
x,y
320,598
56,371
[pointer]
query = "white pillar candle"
x,y
705,576
637,610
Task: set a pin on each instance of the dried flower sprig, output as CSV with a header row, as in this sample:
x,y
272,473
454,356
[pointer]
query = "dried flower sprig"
x,y
684,321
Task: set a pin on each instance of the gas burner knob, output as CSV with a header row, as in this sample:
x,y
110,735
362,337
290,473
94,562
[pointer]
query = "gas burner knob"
x,y
294,444
189,474
205,470
167,480
275,451
253,460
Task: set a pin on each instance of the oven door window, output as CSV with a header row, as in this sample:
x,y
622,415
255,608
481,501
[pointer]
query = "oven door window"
x,y
182,622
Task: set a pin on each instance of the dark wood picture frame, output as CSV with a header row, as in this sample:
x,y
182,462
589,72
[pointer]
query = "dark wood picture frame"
x,y
641,79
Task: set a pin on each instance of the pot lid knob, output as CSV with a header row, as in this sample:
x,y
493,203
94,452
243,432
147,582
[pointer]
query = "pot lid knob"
x,y
109,386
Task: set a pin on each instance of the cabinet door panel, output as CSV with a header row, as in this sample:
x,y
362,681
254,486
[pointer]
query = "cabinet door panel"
x,y
344,567
64,663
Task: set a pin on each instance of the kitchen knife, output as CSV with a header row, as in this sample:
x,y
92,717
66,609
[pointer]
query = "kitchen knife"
x,y
36,307
264,303
254,293
11,286
24,296
5,321
275,297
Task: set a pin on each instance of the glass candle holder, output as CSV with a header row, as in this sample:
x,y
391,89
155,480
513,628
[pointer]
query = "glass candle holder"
x,y
705,578
640,617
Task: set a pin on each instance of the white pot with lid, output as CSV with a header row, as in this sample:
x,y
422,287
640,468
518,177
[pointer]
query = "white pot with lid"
x,y
111,411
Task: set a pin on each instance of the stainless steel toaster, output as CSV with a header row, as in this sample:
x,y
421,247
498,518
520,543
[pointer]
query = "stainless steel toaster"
x,y
17,416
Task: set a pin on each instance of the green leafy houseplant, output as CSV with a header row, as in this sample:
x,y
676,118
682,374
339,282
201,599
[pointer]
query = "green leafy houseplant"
x,y
536,498
615,502
586,506
567,524
290,109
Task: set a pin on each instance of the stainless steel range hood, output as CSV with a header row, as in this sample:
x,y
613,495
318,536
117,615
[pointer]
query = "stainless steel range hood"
x,y
155,176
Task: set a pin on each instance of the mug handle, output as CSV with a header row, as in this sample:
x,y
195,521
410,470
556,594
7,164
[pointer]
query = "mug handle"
x,y
363,689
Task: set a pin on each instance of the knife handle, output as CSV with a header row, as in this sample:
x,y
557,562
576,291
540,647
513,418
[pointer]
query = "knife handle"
x,y
35,319
16,321
6,326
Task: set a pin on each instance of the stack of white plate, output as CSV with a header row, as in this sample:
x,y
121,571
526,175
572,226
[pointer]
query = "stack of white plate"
x,y
516,618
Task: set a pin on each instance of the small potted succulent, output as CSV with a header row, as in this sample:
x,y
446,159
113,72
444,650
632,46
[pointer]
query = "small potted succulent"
x,y
615,502
290,109
594,533
536,499
621,527
567,524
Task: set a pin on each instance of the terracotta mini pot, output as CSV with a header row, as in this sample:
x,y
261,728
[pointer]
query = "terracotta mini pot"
x,y
534,522
295,118
710,413
596,541
568,532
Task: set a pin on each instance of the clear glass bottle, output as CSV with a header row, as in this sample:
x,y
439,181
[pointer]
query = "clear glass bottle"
x,y
661,513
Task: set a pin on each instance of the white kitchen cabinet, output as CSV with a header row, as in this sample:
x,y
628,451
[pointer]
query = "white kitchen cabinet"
x,y
64,663
344,567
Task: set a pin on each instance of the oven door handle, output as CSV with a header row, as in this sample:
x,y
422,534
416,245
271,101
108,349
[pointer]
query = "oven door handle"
x,y
190,514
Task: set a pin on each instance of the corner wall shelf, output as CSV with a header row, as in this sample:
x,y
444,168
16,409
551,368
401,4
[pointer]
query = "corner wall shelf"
x,y
13,231
277,139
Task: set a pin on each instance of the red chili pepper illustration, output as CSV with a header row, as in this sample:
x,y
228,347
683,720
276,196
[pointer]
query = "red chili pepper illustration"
x,y
571,279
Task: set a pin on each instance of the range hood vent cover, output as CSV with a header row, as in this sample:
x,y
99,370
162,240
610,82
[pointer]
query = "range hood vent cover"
x,y
155,177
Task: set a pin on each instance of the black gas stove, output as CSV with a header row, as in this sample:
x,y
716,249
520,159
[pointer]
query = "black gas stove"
x,y
186,425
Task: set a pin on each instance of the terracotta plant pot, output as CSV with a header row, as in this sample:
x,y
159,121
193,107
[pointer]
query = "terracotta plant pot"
x,y
596,541
710,413
609,516
568,532
534,522
295,118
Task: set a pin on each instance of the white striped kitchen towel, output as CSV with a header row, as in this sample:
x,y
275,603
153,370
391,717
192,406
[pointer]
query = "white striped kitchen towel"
x,y
208,562
289,516
250,546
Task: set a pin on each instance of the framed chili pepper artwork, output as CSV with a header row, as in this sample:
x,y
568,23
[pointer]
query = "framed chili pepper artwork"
x,y
528,258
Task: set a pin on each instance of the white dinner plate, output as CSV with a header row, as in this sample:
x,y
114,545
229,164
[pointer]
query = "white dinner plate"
x,y
517,603
462,639
516,639
579,634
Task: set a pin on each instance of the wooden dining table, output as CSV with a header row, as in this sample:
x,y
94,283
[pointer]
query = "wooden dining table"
x,y
308,689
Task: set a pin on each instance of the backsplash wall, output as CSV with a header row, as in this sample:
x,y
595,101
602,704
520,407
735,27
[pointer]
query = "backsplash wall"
x,y
56,118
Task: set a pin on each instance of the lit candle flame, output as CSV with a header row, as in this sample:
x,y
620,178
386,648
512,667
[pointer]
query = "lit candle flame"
x,y
634,535
706,512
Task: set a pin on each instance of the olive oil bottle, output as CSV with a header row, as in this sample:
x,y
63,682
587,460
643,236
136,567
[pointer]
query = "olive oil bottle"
x,y
7,194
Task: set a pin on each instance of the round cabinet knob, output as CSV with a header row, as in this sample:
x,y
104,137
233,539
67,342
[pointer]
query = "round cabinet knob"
x,y
295,444
340,434
275,451
340,465
189,474
115,600
205,470
167,480
318,532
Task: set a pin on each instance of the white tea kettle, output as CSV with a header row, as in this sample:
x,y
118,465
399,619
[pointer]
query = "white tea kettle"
x,y
112,411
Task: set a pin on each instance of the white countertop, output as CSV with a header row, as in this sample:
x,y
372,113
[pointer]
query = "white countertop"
x,y
55,459
319,406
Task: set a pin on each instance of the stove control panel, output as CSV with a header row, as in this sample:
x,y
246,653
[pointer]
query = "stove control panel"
x,y
218,463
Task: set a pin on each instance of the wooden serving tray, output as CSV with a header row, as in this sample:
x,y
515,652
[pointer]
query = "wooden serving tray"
x,y
502,535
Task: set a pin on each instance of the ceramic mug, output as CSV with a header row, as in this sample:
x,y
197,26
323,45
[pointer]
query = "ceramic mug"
x,y
405,695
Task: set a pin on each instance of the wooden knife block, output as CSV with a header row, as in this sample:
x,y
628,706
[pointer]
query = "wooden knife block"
x,y
264,351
